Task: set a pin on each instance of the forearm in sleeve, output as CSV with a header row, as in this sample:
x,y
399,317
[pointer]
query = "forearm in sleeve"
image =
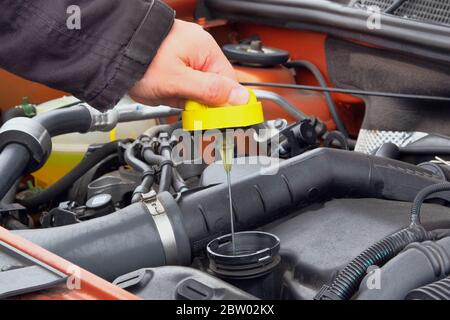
x,y
100,61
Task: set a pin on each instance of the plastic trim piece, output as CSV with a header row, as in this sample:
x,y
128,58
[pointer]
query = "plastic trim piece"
x,y
24,274
32,135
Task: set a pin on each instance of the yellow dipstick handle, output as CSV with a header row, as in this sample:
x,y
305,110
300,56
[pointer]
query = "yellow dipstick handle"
x,y
199,117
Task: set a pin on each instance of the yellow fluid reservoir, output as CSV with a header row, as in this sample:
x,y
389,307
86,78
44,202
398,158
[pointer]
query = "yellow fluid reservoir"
x,y
68,150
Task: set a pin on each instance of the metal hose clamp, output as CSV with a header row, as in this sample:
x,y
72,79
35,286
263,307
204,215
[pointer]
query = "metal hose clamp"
x,y
163,225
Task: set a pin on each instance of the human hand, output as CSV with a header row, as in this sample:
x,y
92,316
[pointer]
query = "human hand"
x,y
189,65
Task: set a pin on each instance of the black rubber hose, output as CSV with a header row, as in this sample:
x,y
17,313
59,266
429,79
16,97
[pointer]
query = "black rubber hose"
x,y
109,246
152,158
133,161
13,113
422,196
349,279
320,78
140,166
388,150
68,180
418,150
163,160
127,240
164,163
439,290
166,169
13,161
153,132
143,188
178,183
56,122
66,120
315,176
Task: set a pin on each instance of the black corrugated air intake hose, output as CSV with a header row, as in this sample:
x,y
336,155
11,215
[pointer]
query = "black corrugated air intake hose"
x,y
439,290
113,245
348,280
169,231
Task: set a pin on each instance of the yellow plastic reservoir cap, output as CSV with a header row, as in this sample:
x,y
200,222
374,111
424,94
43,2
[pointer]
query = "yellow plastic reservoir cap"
x,y
198,116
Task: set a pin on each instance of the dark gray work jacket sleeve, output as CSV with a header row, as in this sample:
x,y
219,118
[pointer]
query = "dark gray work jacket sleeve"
x,y
97,55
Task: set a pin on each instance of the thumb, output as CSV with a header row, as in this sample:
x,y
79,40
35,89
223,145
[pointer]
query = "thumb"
x,y
211,88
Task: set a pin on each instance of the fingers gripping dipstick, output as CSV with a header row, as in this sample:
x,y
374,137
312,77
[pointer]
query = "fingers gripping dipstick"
x,y
198,117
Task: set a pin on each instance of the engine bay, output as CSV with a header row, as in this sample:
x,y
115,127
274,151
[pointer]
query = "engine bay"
x,y
328,192
138,215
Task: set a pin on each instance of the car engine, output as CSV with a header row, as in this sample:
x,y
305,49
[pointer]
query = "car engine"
x,y
314,221
328,202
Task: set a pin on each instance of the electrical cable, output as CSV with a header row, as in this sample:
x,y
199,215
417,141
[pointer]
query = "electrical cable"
x,y
347,91
347,282
320,78
422,196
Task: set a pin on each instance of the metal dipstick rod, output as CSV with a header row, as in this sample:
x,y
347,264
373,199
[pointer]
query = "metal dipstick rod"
x,y
227,158
233,242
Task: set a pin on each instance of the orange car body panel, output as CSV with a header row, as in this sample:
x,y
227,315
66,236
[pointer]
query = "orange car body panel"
x,y
301,45
184,8
91,287
14,88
